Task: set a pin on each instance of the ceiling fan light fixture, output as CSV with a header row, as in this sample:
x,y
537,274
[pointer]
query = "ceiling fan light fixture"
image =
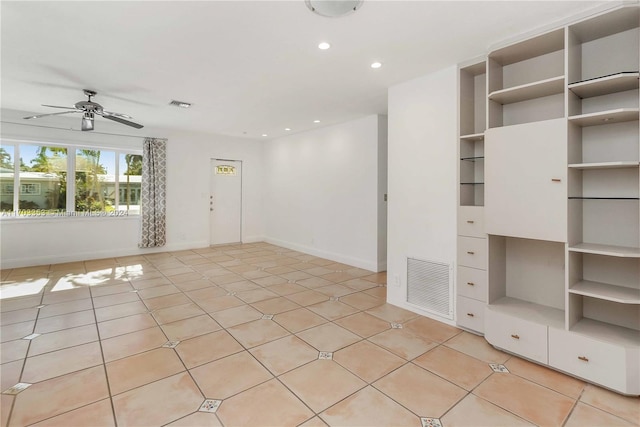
x,y
87,121
333,8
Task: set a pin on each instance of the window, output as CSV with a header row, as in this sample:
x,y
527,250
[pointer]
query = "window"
x,y
95,181
7,172
130,179
68,181
42,179
225,170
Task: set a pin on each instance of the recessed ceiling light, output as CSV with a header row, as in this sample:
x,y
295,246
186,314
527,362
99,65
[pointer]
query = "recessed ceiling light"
x,y
287,128
180,104
264,134
316,121
324,46
376,65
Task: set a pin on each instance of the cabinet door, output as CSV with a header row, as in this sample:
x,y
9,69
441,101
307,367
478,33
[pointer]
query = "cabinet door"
x,y
525,180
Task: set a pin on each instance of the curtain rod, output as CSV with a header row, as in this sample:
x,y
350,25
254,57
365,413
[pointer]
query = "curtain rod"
x,y
77,130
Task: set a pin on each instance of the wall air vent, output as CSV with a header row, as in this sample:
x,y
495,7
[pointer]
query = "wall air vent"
x,y
430,287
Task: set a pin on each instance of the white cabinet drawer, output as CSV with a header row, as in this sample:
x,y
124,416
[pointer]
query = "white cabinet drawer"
x,y
607,364
470,314
472,283
471,221
472,252
516,335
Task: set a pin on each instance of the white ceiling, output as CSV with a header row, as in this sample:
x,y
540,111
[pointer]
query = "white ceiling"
x,y
248,67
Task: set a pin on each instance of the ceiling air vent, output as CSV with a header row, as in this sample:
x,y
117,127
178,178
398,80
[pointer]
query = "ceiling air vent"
x,y
180,104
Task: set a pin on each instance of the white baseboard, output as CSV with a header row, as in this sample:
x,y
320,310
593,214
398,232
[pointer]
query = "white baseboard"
x,y
417,310
252,239
122,252
333,256
109,253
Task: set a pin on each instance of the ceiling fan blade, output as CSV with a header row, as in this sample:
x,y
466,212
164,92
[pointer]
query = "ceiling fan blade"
x,y
58,106
123,121
51,114
111,113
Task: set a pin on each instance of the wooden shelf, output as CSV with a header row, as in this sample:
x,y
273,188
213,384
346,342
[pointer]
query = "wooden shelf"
x,y
607,292
528,91
472,137
606,85
608,250
607,332
606,117
526,310
605,165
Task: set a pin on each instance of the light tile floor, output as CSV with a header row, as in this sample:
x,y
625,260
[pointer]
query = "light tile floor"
x,y
263,336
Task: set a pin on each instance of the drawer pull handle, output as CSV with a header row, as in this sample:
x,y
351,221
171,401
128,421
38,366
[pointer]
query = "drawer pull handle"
x,y
584,359
515,337
471,284
470,314
556,180
470,222
470,252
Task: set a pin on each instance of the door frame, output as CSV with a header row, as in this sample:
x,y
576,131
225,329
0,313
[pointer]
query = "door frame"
x,y
211,178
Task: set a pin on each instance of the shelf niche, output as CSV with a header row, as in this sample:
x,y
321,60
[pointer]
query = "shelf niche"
x,y
526,81
527,273
473,93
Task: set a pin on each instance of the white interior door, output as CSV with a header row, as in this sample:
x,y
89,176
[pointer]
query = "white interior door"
x,y
225,202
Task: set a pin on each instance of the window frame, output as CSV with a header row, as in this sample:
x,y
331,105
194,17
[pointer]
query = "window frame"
x,y
72,152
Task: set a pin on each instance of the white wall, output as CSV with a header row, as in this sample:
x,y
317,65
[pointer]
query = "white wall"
x,y
33,242
322,191
422,177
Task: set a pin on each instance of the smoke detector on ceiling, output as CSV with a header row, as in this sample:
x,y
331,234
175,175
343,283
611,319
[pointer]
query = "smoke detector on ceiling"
x,y
333,8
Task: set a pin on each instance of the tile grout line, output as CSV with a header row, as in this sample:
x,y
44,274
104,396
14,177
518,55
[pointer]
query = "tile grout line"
x,y
104,364
26,355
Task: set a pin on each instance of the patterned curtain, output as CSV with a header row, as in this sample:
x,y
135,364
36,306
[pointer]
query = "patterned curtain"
x,y
153,193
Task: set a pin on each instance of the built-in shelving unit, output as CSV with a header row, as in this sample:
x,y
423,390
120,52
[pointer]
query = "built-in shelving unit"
x,y
563,221
471,273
